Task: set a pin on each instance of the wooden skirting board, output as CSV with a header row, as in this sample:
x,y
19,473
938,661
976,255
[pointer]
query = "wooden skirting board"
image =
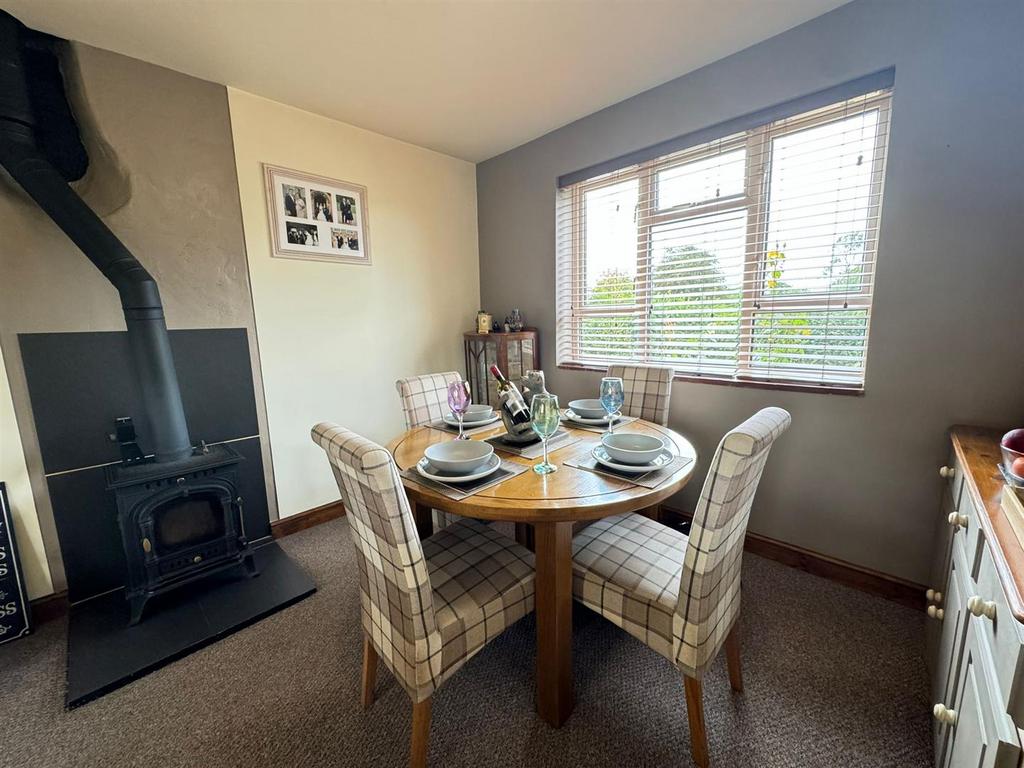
x,y
49,608
890,587
866,580
303,520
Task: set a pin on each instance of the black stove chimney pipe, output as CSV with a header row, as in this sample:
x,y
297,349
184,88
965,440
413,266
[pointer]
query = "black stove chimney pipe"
x,y
31,99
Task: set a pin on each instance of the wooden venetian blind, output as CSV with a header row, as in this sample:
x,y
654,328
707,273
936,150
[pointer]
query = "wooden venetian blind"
x,y
750,256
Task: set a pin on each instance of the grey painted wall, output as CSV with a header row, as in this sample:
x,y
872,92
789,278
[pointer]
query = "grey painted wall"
x,y
163,179
855,477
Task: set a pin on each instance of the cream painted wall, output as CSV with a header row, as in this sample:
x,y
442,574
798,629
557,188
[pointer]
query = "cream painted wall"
x,y
334,337
19,493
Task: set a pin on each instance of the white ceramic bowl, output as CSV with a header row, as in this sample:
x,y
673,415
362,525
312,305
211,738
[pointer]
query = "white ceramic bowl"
x,y
458,456
588,409
476,413
631,448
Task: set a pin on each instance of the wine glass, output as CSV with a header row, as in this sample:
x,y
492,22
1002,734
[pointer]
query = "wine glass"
x,y
458,401
544,420
611,397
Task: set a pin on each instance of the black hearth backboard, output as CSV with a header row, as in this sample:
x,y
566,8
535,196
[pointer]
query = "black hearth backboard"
x,y
79,383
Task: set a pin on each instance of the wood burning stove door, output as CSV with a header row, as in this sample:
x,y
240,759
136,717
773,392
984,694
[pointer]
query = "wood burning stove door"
x,y
182,534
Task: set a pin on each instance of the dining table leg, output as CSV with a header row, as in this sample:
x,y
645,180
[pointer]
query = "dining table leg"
x,y
553,590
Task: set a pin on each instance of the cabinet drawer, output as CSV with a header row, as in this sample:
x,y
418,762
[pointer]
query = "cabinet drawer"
x,y
956,482
1003,633
982,734
950,644
970,533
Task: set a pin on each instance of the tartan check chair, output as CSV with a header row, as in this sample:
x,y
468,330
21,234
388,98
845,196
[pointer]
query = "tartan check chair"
x,y
425,400
647,390
427,607
680,594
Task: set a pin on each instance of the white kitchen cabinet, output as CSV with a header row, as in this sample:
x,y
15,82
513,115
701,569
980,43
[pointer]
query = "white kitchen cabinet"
x,y
975,642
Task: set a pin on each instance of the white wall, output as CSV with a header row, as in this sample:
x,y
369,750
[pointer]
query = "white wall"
x,y
14,473
334,337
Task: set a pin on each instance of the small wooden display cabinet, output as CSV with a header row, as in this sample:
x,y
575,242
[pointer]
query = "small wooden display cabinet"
x,y
514,353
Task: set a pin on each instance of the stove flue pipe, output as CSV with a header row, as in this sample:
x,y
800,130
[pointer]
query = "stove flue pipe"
x,y
21,156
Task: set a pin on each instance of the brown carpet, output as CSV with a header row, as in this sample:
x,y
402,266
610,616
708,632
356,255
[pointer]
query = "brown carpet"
x,y
833,677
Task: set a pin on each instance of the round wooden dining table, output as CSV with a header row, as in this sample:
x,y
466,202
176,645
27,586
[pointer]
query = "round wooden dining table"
x,y
544,508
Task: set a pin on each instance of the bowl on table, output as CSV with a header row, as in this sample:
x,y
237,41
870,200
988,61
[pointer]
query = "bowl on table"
x,y
588,409
460,457
632,448
476,413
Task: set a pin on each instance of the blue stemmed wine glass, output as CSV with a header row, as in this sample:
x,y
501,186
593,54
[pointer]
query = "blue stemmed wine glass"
x,y
612,397
459,400
544,418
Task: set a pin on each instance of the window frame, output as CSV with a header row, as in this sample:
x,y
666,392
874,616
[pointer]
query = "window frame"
x,y
755,201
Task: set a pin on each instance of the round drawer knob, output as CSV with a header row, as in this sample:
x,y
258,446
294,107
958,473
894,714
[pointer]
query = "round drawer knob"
x,y
980,607
944,714
936,613
957,520
947,472
933,596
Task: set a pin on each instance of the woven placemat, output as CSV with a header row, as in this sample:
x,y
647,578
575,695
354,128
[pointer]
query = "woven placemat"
x,y
534,450
651,479
442,426
460,491
599,428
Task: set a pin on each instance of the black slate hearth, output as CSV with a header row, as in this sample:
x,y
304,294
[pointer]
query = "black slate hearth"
x,y
105,653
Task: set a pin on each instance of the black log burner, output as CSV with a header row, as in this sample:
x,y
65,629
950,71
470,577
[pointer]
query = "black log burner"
x,y
178,506
180,521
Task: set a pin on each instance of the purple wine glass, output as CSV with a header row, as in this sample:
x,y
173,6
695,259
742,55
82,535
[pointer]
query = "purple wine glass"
x,y
459,400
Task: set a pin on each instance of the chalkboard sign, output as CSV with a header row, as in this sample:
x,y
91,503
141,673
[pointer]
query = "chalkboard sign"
x,y
15,616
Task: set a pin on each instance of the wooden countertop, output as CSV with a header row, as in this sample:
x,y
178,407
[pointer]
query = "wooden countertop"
x,y
977,448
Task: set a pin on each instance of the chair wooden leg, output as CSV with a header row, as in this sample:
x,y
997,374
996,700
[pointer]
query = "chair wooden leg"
x,y
424,517
695,712
732,658
369,672
420,734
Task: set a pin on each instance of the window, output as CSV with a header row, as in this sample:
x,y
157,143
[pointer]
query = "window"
x,y
748,258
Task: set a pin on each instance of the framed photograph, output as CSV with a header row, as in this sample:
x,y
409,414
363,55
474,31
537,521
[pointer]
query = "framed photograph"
x,y
313,217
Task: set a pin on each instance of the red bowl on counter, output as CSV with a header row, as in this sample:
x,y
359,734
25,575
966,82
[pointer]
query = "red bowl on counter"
x,y
1012,446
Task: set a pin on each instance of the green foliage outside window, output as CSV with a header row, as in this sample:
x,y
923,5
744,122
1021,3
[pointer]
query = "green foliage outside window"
x,y
695,314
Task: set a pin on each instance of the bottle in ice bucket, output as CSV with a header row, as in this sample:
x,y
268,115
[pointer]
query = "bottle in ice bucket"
x,y
515,413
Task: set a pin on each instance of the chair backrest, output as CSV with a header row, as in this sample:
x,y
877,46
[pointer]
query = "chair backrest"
x,y
647,389
425,398
709,589
394,584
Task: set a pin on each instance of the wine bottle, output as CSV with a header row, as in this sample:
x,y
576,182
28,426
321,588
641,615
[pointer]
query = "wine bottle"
x,y
512,402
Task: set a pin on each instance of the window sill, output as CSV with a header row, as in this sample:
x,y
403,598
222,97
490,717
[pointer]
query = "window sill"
x,y
722,381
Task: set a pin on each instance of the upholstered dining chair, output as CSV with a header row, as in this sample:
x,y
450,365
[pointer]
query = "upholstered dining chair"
x,y
425,400
680,594
647,390
430,606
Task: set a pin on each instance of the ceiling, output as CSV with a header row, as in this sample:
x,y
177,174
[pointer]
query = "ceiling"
x,y
470,78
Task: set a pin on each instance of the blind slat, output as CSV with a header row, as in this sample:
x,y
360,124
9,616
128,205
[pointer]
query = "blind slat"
x,y
750,256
